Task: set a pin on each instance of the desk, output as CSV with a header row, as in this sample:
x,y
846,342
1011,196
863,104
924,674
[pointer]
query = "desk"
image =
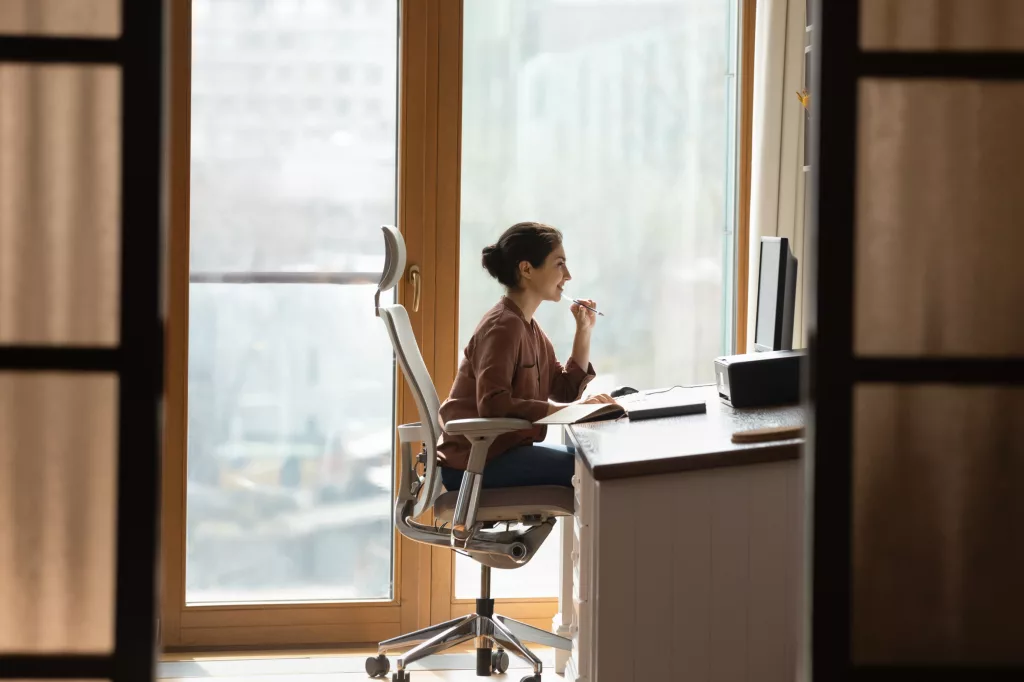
x,y
685,549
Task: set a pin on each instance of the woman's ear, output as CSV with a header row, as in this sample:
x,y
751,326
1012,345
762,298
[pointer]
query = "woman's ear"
x,y
525,269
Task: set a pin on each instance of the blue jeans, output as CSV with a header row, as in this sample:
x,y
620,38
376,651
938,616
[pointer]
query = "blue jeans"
x,y
539,464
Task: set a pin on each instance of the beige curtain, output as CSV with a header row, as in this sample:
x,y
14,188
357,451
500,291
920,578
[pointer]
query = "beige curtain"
x,y
59,204
776,195
59,275
939,219
81,18
938,544
942,24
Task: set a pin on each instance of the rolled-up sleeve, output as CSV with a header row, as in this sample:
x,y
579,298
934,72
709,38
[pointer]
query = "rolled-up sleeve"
x,y
494,364
568,382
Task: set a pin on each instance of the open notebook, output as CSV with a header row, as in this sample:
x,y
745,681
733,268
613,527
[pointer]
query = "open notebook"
x,y
637,407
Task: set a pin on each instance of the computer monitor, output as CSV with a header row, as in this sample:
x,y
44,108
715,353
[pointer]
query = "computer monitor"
x,y
776,296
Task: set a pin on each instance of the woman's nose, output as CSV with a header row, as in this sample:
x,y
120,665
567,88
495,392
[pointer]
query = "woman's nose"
x,y
567,275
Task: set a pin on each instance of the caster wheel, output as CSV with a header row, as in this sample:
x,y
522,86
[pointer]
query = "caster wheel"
x,y
378,666
400,676
531,678
499,662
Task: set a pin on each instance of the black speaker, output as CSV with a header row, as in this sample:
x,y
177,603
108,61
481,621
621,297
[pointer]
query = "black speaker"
x,y
760,379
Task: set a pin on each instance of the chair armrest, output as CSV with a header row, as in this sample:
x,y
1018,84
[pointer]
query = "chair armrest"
x,y
485,427
411,433
481,434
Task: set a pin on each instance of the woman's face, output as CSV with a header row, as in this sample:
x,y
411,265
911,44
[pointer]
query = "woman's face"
x,y
549,279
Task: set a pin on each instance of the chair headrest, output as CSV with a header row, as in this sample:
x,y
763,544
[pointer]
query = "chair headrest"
x,y
394,258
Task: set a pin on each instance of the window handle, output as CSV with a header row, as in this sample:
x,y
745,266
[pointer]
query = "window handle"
x,y
416,279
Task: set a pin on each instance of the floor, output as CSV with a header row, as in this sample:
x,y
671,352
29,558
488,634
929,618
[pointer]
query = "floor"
x,y
348,667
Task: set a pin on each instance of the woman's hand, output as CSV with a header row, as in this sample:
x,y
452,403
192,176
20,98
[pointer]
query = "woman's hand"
x,y
585,319
584,324
600,398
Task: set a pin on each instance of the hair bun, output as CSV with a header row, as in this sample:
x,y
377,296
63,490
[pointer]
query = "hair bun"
x,y
492,259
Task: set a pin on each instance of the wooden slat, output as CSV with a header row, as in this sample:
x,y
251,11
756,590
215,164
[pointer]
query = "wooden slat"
x,y
441,590
446,251
447,230
746,139
729,576
411,160
447,237
691,593
770,592
615,565
289,635
176,342
795,585
313,614
654,582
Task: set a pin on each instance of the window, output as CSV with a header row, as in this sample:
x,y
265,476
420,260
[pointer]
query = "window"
x,y
287,40
290,414
648,235
374,75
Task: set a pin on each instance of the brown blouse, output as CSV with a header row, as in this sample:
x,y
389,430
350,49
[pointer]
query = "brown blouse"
x,y
509,370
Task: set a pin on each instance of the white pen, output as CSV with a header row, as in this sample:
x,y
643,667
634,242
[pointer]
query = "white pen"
x,y
577,302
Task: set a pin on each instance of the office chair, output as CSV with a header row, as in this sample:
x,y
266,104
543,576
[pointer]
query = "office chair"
x,y
499,528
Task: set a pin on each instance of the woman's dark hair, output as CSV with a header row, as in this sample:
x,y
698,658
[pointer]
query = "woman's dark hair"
x,y
532,242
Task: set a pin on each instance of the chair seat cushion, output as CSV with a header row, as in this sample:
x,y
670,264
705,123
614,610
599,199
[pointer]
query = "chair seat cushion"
x,y
510,504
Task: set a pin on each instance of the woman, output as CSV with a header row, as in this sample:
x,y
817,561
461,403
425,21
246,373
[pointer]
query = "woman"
x,y
510,368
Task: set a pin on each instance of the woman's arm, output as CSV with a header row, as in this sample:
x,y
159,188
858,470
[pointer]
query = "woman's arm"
x,y
581,348
585,320
567,383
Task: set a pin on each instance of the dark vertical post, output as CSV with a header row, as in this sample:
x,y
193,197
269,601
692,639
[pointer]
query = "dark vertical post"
x,y
142,228
834,138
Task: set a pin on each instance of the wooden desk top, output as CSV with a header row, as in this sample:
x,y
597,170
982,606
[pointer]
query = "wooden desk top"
x,y
623,449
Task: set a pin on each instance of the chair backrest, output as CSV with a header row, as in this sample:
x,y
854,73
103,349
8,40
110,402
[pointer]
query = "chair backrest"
x,y
407,353
394,262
